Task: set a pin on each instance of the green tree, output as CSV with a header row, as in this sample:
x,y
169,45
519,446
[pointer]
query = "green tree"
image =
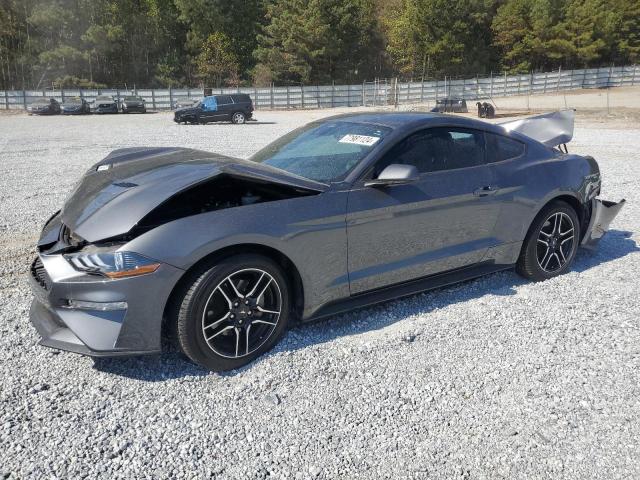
x,y
441,37
217,62
586,34
525,33
627,31
239,20
319,41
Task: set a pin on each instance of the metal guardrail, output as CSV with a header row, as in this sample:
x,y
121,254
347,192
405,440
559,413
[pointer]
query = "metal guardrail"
x,y
368,93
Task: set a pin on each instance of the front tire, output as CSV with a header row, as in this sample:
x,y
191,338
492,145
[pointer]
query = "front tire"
x,y
233,312
551,243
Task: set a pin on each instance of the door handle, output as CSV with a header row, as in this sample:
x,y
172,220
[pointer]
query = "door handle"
x,y
485,191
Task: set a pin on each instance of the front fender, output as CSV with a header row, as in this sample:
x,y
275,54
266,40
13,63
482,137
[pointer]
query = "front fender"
x,y
310,231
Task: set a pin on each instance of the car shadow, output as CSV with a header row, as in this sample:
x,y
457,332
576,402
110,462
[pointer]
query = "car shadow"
x,y
173,364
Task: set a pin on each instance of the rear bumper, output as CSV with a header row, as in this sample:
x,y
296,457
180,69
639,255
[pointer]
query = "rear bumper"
x,y
602,214
137,108
113,109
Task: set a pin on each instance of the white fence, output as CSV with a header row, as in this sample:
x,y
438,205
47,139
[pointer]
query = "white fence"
x,y
368,93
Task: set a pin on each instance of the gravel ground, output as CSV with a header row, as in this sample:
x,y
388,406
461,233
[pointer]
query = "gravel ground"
x,y
495,378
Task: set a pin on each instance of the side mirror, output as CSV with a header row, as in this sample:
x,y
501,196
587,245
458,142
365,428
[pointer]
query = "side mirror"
x,y
394,174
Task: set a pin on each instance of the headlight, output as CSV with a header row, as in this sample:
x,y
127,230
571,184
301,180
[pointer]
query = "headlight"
x,y
113,264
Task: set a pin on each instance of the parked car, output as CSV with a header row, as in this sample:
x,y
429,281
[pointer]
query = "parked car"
x,y
104,104
450,105
236,108
44,106
75,106
344,212
133,104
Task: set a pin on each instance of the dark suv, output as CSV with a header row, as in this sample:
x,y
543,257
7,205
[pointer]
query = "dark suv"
x,y
236,108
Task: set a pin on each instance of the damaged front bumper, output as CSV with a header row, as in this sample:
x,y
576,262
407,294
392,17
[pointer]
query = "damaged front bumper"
x,y
602,214
95,316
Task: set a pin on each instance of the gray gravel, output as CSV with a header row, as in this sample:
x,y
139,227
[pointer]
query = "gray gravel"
x,y
495,378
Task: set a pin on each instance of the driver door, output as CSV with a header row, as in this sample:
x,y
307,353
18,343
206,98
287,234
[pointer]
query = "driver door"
x,y
441,221
209,109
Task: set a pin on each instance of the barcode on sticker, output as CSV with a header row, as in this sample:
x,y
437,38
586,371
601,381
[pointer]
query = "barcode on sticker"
x,y
359,139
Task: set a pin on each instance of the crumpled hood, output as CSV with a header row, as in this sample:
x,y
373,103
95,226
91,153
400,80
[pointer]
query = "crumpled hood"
x,y
116,193
183,110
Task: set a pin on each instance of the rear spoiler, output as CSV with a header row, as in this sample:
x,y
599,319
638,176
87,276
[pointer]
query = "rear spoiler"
x,y
552,129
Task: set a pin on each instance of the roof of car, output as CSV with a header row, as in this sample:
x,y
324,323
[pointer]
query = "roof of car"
x,y
391,119
408,120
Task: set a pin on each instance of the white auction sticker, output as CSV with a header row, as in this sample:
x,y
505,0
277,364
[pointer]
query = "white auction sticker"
x,y
359,139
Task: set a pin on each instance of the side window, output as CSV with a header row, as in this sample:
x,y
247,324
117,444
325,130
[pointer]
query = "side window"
x,y
210,104
224,100
501,148
436,149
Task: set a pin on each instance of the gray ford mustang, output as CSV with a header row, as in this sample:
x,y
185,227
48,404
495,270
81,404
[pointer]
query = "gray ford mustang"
x,y
222,254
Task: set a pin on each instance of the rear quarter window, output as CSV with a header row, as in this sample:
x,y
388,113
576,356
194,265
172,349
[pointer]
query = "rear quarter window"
x,y
501,148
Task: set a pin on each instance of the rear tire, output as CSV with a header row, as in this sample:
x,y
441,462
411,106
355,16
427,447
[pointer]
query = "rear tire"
x,y
551,243
233,312
238,118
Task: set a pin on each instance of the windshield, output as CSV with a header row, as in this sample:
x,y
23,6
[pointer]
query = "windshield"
x,y
325,151
105,99
132,99
74,101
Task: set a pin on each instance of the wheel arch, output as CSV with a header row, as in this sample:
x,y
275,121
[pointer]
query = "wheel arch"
x,y
582,210
289,269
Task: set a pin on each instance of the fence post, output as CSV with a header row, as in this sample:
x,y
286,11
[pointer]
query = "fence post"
x,y
363,98
348,95
608,85
24,99
153,98
6,100
288,106
170,98
633,78
302,94
333,93
62,94
505,83
271,95
422,91
491,85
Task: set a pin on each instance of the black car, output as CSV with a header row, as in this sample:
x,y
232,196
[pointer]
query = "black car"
x,y
44,106
75,106
236,108
105,104
450,105
133,104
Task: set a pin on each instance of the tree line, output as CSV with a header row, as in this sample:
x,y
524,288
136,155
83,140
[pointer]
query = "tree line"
x,y
162,43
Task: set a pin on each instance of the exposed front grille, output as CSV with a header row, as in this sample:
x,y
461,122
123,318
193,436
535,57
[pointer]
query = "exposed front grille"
x,y
105,105
40,274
